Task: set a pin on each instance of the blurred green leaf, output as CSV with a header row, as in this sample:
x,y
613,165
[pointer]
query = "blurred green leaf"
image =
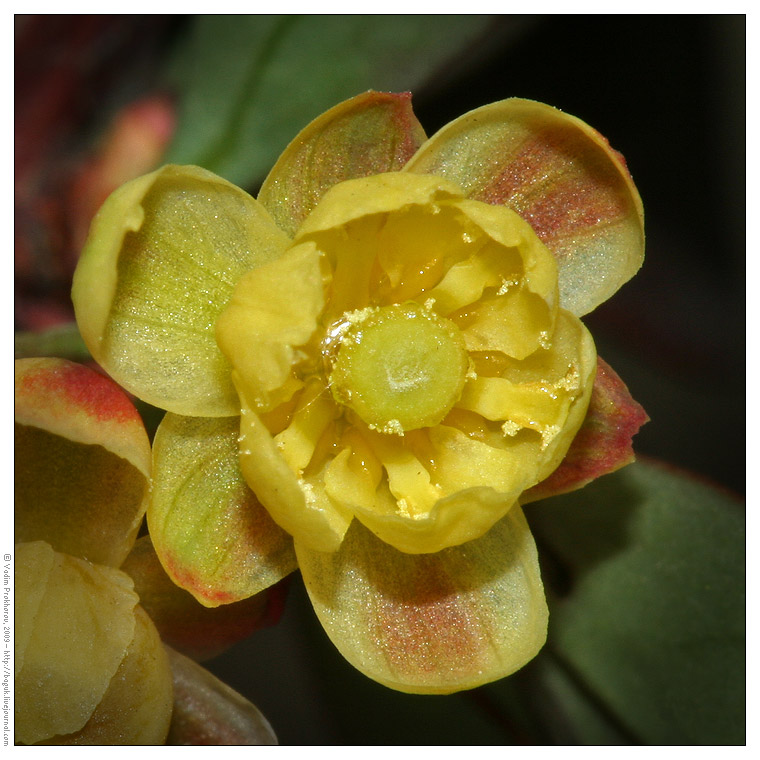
x,y
544,704
653,626
571,715
63,341
248,83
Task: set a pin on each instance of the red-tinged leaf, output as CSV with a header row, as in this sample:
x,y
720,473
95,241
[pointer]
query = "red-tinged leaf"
x,y
561,176
371,133
211,534
604,442
185,624
82,461
431,623
208,712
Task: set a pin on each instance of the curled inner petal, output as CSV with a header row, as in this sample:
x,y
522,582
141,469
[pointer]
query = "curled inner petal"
x,y
515,323
274,310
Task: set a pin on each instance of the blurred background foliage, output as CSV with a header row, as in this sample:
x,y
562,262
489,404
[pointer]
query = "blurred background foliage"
x,y
645,568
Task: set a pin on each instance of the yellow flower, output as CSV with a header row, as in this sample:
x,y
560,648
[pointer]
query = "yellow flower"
x,y
396,323
405,362
90,666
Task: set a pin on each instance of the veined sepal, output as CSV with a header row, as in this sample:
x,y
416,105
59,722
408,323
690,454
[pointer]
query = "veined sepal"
x,y
561,176
432,623
163,255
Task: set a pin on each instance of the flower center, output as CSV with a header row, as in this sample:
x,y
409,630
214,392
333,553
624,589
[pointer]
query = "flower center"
x,y
399,367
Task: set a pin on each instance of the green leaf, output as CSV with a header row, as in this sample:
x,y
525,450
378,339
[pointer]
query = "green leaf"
x,y
543,704
653,625
248,83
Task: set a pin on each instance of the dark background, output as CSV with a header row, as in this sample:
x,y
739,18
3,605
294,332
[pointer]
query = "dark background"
x,y
668,92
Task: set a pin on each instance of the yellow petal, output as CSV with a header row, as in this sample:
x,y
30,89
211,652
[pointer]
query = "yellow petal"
x,y
417,245
513,275
491,266
210,532
299,439
433,623
538,406
273,310
32,569
160,264
295,504
515,323
81,632
137,706
568,362
451,520
443,488
561,176
539,392
353,266
82,461
382,257
463,462
603,442
379,194
509,230
349,482
408,478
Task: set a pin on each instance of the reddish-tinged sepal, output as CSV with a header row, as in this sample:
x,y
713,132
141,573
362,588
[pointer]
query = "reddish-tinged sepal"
x,y
431,623
82,461
561,176
211,534
185,624
369,134
208,712
79,404
603,443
